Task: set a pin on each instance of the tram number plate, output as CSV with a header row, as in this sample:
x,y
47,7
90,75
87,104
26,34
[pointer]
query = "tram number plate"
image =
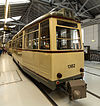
x,y
71,66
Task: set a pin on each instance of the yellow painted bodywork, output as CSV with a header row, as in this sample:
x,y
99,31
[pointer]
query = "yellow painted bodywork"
x,y
48,65
10,50
17,54
61,61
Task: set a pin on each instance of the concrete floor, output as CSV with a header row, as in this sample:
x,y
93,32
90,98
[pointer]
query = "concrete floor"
x,y
15,88
18,90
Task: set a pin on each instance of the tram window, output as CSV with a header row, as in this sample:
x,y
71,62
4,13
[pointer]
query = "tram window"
x,y
9,44
35,40
32,37
44,35
33,28
36,27
19,42
67,38
14,44
32,40
64,23
29,41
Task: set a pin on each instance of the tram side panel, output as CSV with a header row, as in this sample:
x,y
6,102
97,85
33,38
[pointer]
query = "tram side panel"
x,y
17,55
10,51
49,65
38,62
45,65
30,60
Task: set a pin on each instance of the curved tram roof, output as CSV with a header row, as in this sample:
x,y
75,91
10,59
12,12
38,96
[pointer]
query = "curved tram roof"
x,y
48,15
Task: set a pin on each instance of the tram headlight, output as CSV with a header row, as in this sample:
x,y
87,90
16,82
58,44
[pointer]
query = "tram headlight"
x,y
59,75
81,69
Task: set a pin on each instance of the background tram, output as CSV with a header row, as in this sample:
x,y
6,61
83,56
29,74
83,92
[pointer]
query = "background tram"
x,y
50,50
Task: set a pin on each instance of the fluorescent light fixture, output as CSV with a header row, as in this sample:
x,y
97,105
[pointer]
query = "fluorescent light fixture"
x,y
12,26
16,18
1,29
18,1
9,19
93,40
2,2
6,12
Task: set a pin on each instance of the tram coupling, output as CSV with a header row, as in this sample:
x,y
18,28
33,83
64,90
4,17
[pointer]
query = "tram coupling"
x,y
76,89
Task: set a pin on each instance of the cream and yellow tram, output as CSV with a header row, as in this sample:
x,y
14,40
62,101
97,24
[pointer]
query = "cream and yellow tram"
x,y
50,50
9,47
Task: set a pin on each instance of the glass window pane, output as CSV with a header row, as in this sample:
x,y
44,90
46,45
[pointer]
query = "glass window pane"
x,y
44,35
32,37
64,23
19,42
35,40
67,38
29,39
45,44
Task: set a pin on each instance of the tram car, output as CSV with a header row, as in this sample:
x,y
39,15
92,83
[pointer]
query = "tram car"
x,y
9,47
50,50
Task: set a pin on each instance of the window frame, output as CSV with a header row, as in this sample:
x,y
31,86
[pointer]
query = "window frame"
x,y
18,39
26,35
70,39
48,19
78,28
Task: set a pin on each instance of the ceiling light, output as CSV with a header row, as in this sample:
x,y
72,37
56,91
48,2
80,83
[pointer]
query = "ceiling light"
x,y
93,40
10,19
1,29
12,26
2,2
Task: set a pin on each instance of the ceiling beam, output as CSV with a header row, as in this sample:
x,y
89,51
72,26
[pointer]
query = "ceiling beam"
x,y
88,12
72,6
90,9
15,23
53,5
82,6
